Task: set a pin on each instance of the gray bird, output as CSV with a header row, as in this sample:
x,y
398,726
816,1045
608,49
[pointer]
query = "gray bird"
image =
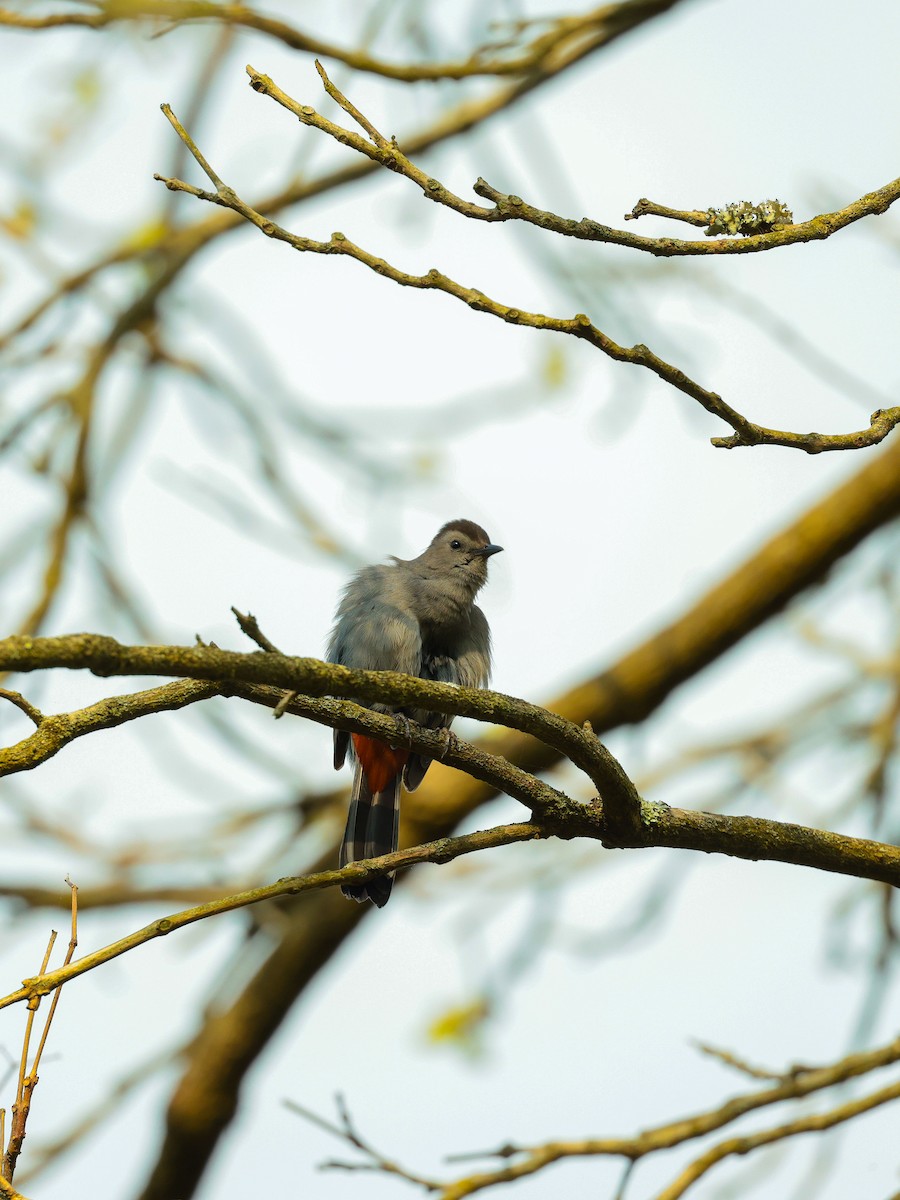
x,y
417,616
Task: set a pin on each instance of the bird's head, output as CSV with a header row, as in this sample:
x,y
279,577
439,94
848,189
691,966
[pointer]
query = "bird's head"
x,y
460,550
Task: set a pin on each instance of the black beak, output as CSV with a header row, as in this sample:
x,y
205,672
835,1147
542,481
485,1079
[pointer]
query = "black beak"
x,y
488,550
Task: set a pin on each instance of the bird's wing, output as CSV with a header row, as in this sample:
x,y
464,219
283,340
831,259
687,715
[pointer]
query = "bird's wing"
x,y
373,632
469,666
473,662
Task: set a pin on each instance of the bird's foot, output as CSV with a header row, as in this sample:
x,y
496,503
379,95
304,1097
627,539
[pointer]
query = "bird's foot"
x,y
449,741
405,731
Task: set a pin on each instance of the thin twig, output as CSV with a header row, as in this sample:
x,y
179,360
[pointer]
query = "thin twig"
x,y
348,1132
739,1064
250,626
440,851
34,714
26,1082
70,951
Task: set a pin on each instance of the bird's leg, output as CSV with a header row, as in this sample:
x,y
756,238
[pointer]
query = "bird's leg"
x,y
449,741
404,730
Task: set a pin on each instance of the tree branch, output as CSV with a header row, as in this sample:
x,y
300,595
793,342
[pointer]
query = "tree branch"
x,y
55,732
105,656
523,1161
441,851
505,207
816,1123
619,821
387,153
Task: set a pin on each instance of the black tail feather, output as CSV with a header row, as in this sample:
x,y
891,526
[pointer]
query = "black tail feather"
x,y
372,826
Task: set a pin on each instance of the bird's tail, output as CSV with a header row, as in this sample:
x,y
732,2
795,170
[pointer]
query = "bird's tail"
x,y
372,825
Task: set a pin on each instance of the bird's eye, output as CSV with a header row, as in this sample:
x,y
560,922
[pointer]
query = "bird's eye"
x,y
455,544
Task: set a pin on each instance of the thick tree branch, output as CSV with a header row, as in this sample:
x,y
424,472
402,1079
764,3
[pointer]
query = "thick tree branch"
x,y
104,656
620,821
58,730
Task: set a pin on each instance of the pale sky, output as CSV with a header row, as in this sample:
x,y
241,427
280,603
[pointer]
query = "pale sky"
x,y
615,513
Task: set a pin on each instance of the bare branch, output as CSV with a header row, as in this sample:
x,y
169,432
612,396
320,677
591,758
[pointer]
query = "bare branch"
x,y
746,432
749,1142
34,714
8,1191
347,1132
443,850
740,1064
881,422
514,208
528,1160
632,827
57,731
105,656
578,326
522,1161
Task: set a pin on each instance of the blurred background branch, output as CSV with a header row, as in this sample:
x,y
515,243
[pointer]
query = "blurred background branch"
x,y
192,419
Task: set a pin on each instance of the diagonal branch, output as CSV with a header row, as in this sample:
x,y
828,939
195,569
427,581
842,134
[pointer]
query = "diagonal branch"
x,y
816,1123
523,1161
578,326
441,851
746,432
179,246
529,1160
56,731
